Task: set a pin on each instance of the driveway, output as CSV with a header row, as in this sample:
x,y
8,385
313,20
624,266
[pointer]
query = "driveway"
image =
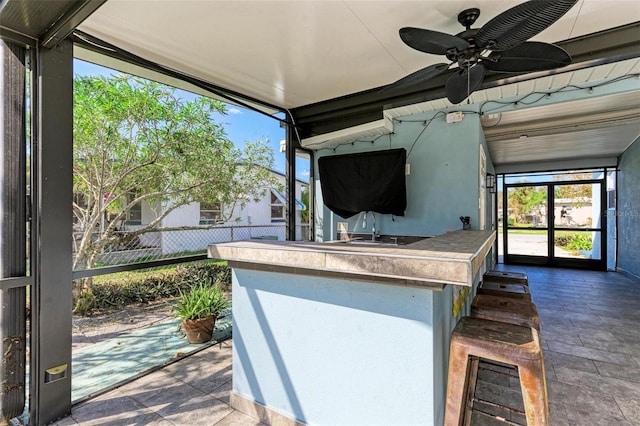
x,y
532,245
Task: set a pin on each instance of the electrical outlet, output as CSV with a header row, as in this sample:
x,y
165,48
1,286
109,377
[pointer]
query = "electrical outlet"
x,y
454,117
407,169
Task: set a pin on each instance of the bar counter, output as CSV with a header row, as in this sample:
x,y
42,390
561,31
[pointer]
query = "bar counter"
x,y
451,258
348,334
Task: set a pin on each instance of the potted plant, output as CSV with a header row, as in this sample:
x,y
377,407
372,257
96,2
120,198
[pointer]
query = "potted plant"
x,y
198,309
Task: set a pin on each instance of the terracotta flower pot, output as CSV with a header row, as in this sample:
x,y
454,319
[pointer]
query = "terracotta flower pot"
x,y
199,330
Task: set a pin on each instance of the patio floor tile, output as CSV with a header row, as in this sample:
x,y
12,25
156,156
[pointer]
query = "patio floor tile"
x,y
592,356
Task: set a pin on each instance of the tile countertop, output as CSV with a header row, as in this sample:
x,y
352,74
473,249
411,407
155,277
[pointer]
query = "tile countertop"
x,y
451,258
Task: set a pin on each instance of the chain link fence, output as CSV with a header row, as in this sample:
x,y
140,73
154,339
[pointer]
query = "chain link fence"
x,y
167,244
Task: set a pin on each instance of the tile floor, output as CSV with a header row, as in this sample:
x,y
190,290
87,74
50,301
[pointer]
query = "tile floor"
x,y
193,391
590,334
590,330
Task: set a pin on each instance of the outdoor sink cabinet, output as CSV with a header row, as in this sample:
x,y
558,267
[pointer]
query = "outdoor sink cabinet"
x,y
348,334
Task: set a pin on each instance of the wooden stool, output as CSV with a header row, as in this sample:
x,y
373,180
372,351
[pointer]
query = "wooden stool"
x,y
475,338
506,277
505,309
514,290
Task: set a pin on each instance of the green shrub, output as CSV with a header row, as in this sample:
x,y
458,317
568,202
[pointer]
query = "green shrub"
x,y
574,242
580,242
119,290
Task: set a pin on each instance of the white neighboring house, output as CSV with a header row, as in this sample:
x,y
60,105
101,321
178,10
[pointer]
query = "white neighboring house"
x,y
262,219
577,212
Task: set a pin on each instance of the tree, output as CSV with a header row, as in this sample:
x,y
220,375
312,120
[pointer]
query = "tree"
x,y
523,199
136,141
577,193
304,197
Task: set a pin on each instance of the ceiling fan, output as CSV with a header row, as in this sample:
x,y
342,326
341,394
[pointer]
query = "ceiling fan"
x,y
500,46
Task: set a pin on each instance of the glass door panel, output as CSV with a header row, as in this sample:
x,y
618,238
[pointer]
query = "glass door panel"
x,y
578,221
528,243
577,245
527,219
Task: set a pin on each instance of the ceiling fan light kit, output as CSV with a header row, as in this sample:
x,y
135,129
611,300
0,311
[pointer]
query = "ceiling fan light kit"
x,y
500,45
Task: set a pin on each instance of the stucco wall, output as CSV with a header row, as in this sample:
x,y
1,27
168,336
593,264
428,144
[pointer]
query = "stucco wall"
x,y
628,210
340,352
327,351
442,184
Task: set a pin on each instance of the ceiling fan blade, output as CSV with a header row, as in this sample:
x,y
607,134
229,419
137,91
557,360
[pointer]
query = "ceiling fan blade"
x,y
520,23
529,56
417,77
429,41
463,83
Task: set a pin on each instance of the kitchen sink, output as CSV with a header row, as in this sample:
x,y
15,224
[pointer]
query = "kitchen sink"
x,y
383,240
372,243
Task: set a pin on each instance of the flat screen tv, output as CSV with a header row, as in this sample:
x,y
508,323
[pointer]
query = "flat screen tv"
x,y
369,181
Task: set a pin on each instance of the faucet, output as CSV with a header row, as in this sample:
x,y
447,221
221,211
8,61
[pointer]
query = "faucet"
x,y
374,235
373,227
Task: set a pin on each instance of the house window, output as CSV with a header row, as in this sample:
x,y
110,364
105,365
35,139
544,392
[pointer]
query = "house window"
x,y
210,213
277,208
134,214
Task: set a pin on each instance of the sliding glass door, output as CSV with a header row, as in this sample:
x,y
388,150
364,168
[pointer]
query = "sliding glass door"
x,y
555,223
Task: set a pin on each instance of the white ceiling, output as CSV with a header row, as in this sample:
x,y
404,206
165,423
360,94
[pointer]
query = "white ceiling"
x,y
294,53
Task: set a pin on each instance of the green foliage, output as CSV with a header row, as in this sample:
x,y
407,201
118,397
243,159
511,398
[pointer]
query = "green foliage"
x,y
524,199
84,304
201,301
115,292
574,242
578,193
137,141
511,221
304,197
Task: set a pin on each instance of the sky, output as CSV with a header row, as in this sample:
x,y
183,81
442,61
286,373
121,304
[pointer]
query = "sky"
x,y
241,124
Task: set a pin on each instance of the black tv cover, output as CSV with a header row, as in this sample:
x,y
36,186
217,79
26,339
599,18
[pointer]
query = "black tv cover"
x,y
368,181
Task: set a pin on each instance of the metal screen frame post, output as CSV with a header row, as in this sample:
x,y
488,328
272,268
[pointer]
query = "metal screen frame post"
x,y
290,208
52,257
13,228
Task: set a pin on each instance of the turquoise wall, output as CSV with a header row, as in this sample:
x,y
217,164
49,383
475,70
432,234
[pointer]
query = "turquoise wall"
x,y
343,352
443,183
628,210
340,352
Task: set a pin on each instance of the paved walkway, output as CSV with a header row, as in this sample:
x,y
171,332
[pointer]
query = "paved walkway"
x,y
533,245
591,343
110,361
193,391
